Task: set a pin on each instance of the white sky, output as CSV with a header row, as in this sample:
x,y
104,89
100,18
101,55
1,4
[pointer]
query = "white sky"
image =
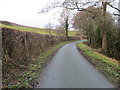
x,y
24,12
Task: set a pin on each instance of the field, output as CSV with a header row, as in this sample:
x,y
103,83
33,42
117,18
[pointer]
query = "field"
x,y
36,30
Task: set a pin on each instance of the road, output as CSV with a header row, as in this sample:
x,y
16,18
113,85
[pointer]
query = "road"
x,y
69,69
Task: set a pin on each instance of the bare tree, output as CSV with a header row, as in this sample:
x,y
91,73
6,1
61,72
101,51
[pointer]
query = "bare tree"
x,y
81,5
60,31
64,20
49,28
105,3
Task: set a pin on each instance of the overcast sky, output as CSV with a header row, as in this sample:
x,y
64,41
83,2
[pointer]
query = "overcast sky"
x,y
24,12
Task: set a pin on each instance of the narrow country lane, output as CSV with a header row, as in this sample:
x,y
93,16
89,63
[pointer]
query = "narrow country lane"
x,y
69,69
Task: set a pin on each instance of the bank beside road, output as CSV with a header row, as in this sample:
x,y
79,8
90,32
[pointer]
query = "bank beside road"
x,y
108,66
21,52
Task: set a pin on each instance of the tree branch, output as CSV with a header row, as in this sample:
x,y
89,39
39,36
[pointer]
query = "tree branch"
x,y
113,7
116,14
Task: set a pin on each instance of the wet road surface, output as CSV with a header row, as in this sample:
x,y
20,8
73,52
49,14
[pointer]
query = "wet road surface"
x,y
69,69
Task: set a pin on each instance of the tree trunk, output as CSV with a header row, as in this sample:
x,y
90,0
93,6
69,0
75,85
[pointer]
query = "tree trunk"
x,y
66,27
104,38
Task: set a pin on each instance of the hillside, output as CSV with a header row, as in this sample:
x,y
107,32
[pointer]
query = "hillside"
x,y
32,29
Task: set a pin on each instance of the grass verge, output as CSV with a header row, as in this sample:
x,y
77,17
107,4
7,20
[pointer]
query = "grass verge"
x,y
28,78
108,66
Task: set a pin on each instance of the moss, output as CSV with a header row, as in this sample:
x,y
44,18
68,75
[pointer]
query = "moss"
x,y
106,65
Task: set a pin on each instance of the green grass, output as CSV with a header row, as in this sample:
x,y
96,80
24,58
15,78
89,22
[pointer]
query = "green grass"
x,y
72,33
30,29
36,30
106,65
97,56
